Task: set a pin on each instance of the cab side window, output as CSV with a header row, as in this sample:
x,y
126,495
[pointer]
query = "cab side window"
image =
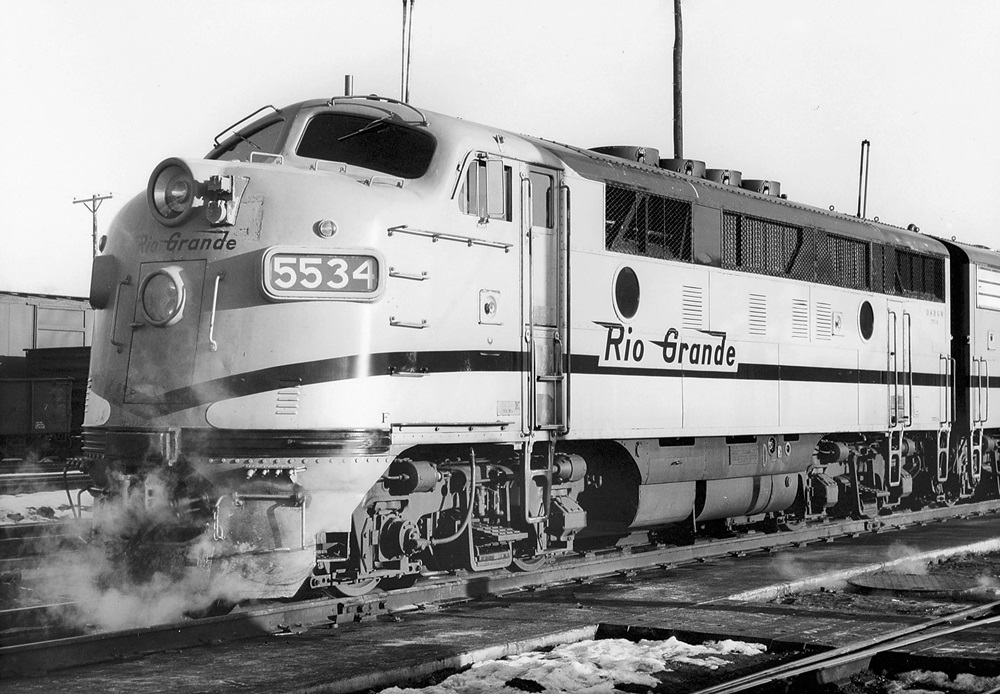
x,y
541,200
485,191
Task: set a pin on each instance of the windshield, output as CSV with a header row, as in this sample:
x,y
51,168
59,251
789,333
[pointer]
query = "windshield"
x,y
380,144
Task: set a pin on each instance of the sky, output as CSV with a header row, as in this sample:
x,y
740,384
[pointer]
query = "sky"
x,y
97,92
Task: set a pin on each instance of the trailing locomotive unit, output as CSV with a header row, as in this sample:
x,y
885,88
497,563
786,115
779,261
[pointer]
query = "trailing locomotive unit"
x,y
360,340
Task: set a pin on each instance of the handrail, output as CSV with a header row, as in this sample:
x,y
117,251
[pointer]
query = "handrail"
x,y
114,319
212,344
244,119
393,272
439,236
396,323
980,405
376,97
986,390
908,365
530,284
892,358
952,395
564,329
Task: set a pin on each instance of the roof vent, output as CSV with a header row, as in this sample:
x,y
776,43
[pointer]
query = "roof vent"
x,y
640,155
729,177
762,186
688,167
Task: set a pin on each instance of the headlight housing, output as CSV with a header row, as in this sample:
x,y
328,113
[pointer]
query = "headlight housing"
x,y
172,192
162,296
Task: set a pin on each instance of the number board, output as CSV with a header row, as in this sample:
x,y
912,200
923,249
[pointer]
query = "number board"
x,y
297,273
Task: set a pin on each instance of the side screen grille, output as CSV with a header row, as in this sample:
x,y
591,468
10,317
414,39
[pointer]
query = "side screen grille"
x,y
767,247
641,223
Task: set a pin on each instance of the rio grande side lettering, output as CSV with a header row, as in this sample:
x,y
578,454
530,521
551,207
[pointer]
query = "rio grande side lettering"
x,y
711,351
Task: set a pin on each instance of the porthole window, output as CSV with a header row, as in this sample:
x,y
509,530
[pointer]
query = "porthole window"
x,y
866,320
163,295
626,292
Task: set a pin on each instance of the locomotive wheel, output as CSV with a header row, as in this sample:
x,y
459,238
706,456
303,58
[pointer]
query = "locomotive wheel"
x,y
528,564
794,518
352,589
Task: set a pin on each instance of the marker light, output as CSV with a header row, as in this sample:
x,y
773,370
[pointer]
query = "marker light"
x,y
171,192
325,228
162,296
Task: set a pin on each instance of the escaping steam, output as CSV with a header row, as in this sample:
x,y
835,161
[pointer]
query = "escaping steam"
x,y
137,570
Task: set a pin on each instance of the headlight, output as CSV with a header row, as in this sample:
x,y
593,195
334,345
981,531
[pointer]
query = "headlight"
x,y
162,296
172,192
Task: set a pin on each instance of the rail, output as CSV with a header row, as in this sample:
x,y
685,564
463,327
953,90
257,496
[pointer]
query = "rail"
x,y
863,650
34,658
42,481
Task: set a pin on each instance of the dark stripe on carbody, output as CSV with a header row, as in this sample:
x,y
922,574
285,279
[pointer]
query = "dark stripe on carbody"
x,y
339,369
589,364
744,372
345,368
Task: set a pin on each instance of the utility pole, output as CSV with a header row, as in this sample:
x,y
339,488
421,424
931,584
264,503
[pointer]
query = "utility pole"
x,y
93,203
678,101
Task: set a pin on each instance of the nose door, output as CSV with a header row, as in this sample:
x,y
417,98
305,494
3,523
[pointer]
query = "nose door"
x,y
164,330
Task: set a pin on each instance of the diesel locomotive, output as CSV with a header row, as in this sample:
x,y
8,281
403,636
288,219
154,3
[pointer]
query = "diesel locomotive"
x,y
359,341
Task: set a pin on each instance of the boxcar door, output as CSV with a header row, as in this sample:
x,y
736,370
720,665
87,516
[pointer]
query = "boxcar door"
x,y
545,302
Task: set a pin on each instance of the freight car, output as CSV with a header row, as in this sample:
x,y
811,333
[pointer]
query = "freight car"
x,y
44,358
360,340
35,417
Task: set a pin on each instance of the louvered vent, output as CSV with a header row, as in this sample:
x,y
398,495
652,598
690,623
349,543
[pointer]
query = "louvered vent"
x,y
800,319
824,321
692,307
758,314
287,400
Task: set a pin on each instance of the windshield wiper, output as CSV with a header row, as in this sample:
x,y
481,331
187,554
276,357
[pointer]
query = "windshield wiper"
x,y
247,140
375,124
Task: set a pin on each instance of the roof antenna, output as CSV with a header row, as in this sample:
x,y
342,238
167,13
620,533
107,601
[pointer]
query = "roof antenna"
x,y
404,89
678,102
863,180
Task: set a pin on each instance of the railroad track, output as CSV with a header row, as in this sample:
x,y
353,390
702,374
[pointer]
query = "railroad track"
x,y
46,475
38,623
834,665
24,545
32,482
277,618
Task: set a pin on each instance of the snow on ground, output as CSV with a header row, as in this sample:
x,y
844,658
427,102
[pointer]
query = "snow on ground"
x,y
39,507
586,667
925,682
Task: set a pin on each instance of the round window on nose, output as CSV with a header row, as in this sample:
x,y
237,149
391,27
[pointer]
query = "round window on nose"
x,y
626,292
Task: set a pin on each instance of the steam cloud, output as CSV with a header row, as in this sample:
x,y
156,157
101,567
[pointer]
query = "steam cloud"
x,y
124,578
